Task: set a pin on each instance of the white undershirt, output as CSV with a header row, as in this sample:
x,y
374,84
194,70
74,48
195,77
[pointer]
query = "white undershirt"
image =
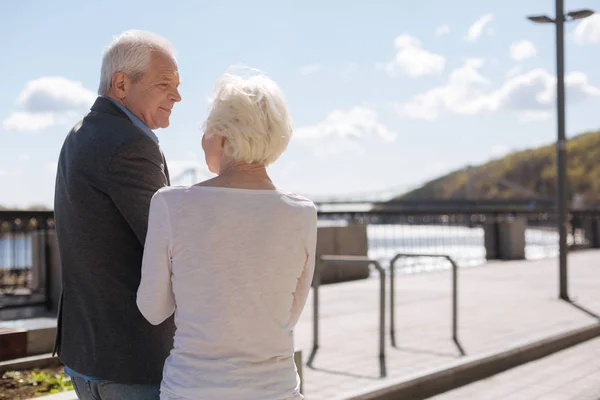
x,y
236,266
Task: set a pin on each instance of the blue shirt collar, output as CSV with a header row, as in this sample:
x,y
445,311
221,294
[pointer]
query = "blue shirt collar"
x,y
136,121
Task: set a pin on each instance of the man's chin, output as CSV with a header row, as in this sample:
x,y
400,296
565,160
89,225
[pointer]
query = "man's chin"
x,y
164,125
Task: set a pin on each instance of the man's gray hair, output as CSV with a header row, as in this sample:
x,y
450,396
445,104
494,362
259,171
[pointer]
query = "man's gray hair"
x,y
130,53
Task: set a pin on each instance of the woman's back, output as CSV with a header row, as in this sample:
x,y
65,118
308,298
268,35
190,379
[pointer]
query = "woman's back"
x,y
241,265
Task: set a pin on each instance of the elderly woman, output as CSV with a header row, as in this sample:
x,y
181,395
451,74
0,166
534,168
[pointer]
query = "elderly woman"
x,y
233,256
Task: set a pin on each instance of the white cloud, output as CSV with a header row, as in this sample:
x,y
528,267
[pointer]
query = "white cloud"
x,y
330,147
48,101
50,94
2,172
588,30
533,116
522,50
516,70
310,69
25,121
412,60
24,157
531,94
442,30
478,27
460,95
344,130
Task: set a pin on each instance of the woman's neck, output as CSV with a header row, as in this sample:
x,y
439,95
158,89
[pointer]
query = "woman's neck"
x,y
242,176
236,168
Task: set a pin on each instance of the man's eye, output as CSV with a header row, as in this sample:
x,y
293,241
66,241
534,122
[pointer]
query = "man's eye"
x,y
164,85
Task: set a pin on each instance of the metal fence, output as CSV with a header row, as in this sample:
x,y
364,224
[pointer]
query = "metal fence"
x,y
24,257
461,234
458,233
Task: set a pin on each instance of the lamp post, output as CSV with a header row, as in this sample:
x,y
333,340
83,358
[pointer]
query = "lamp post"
x,y
561,146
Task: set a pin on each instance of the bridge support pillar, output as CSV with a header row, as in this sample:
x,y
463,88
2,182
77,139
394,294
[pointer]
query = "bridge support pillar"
x,y
505,239
592,232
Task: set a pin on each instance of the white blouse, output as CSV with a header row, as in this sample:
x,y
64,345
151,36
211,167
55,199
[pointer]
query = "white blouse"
x,y
236,266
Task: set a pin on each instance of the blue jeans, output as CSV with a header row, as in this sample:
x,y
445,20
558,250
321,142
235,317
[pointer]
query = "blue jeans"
x,y
108,390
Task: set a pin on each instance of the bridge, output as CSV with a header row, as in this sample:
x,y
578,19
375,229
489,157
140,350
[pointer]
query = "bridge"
x,y
364,200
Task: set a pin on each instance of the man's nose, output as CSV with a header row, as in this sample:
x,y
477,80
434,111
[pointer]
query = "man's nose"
x,y
175,96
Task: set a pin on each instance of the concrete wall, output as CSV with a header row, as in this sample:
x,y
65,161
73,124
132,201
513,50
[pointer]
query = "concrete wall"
x,y
347,240
36,335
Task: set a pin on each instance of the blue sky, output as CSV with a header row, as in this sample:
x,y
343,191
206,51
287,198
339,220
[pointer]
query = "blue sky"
x,y
383,95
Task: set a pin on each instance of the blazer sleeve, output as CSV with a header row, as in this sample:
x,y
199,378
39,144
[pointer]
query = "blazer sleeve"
x,y
155,298
135,174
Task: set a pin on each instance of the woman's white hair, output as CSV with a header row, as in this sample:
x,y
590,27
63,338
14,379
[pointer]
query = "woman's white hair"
x,y
252,114
130,53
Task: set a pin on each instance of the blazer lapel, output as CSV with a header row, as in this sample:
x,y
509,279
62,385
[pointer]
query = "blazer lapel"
x,y
166,169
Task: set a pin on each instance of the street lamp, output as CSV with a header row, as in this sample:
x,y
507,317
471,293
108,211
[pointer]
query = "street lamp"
x,y
561,147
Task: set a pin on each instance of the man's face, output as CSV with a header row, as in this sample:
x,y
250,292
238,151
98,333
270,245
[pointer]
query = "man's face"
x,y
151,98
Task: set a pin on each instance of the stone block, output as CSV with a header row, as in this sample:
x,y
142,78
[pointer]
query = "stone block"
x,y
346,240
13,343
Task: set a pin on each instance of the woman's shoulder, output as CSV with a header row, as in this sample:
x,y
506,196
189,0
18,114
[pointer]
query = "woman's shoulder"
x,y
301,203
168,194
305,201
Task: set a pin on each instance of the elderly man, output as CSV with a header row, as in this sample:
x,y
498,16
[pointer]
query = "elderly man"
x,y
109,168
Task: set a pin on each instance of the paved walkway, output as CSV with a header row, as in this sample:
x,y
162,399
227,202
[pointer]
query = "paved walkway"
x,y
572,374
501,304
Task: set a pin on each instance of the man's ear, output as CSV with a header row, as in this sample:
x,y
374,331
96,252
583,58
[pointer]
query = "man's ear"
x,y
120,85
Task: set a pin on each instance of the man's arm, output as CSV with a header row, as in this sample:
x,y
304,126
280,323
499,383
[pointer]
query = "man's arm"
x,y
134,176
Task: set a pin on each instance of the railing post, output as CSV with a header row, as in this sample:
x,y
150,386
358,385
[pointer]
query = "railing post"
x,y
454,296
47,264
324,260
454,301
382,367
393,300
455,305
316,284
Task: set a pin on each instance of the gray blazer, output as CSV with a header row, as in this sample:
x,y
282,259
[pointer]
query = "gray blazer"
x,y
108,171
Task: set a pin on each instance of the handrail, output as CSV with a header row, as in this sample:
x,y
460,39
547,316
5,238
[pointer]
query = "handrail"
x,y
329,259
454,295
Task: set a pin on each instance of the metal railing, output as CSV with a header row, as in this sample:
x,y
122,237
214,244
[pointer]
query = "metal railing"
x,y
327,260
461,233
25,258
454,296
